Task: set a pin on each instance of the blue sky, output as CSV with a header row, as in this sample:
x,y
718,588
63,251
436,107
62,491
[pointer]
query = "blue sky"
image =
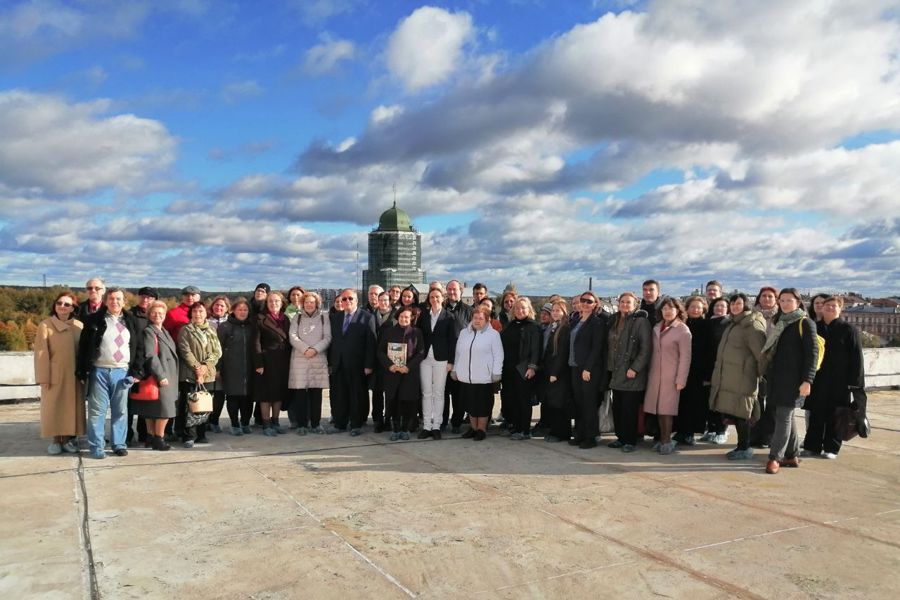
x,y
225,143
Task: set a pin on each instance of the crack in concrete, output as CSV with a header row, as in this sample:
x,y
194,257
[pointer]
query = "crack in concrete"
x,y
86,546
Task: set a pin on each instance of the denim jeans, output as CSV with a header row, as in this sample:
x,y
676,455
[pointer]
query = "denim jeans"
x,y
107,389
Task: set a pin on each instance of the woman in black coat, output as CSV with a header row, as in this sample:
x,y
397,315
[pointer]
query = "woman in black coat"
x,y
693,403
237,335
521,338
553,375
272,357
841,371
588,363
401,382
792,351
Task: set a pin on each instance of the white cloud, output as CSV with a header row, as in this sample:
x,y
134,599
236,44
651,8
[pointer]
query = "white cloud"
x,y
63,148
237,91
426,47
325,57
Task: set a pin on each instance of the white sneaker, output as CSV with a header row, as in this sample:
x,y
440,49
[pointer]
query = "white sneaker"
x,y
829,455
721,438
54,448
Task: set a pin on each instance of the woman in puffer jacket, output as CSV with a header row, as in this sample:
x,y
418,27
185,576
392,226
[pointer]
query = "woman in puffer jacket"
x,y
478,365
737,370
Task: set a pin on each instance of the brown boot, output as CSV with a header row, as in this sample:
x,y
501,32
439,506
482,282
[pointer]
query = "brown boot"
x,y
772,467
791,462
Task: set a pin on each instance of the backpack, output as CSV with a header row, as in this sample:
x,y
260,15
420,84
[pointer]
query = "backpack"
x,y
820,342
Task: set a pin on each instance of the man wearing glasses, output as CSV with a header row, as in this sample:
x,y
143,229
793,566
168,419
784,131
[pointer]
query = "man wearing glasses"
x,y
351,358
95,289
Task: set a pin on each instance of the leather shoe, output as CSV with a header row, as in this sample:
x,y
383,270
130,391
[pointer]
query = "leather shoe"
x,y
470,433
772,467
424,434
587,444
791,462
436,434
120,452
379,427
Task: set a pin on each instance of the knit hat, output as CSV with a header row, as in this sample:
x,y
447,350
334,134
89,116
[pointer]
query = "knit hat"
x,y
547,308
191,289
264,286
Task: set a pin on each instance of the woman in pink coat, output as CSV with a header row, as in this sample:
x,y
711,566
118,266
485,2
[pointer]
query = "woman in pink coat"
x,y
669,368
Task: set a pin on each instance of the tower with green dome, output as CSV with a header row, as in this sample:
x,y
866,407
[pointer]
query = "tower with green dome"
x,y
395,252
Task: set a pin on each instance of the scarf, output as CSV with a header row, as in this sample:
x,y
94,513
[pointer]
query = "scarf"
x,y
409,338
785,320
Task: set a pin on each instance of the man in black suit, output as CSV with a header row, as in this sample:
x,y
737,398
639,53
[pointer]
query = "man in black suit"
x,y
351,358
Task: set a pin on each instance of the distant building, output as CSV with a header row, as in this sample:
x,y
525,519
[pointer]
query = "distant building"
x,y
395,252
881,321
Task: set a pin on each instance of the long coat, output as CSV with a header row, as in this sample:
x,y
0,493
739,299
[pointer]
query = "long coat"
x,y
669,367
736,372
236,367
632,351
271,350
842,367
62,395
555,362
309,332
161,364
197,347
405,386
793,362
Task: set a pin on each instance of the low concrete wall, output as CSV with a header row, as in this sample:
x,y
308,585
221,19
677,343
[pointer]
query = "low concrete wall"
x,y
17,372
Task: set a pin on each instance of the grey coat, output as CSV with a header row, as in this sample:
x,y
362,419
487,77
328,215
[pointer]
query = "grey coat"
x,y
309,332
632,351
736,374
161,361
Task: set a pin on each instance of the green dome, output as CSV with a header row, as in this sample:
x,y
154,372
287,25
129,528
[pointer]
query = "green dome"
x,y
394,219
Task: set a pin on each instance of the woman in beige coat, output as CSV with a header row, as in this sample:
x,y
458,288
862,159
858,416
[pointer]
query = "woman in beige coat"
x,y
669,366
62,395
310,336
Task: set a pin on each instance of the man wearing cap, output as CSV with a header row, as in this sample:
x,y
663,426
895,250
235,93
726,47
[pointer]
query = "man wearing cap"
x,y
178,316
146,295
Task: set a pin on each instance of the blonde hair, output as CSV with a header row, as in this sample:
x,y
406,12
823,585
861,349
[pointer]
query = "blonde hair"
x,y
312,295
527,303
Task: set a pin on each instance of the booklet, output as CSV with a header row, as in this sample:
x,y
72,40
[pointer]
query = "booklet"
x,y
396,352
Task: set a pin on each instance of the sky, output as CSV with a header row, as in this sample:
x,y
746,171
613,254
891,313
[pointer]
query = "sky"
x,y
223,143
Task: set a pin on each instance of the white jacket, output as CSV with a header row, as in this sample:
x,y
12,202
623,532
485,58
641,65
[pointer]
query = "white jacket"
x,y
479,355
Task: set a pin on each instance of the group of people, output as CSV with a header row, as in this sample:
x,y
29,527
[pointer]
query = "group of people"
x,y
671,370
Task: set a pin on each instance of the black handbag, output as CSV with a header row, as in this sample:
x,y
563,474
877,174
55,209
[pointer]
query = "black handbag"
x,y
850,421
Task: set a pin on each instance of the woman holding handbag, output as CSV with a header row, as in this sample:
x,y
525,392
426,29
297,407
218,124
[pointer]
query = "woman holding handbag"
x,y
160,364
199,351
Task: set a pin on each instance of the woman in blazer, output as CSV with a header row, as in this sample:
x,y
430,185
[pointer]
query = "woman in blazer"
x,y
669,367
160,355
401,381
588,363
272,359
439,335
792,353
521,339
62,394
310,336
553,375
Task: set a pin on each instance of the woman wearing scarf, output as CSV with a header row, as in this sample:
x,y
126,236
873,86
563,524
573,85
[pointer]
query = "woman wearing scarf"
x,y
199,352
401,349
669,366
792,355
521,339
735,377
272,359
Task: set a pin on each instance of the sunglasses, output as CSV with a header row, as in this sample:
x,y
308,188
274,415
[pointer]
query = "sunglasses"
x,y
587,300
93,289
347,299
65,304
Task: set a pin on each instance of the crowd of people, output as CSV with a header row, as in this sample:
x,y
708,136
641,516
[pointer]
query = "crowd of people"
x,y
676,371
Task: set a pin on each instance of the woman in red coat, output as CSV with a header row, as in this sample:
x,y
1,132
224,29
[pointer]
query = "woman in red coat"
x,y
669,368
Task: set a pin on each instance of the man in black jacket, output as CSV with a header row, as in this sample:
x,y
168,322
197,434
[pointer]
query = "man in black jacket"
x,y
651,301
351,359
462,314
108,364
146,295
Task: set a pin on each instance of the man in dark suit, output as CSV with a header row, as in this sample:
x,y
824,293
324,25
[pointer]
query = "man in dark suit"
x,y
351,359
462,314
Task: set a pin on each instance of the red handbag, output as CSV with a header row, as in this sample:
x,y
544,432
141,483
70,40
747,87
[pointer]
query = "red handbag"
x,y
147,388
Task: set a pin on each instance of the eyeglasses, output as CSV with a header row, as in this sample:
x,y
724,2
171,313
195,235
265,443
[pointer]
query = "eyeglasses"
x,y
587,300
91,288
64,304
343,299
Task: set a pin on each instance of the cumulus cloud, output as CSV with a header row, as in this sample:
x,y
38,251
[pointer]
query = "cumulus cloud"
x,y
73,148
325,57
427,46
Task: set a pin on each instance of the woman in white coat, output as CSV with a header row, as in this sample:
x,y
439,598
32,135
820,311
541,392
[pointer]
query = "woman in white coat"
x,y
310,336
478,365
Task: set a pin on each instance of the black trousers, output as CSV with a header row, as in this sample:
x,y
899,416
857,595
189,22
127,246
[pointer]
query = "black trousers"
x,y
742,426
218,405
141,425
520,392
349,398
242,405
625,408
587,401
762,430
715,422
453,397
377,401
820,433
306,407
558,420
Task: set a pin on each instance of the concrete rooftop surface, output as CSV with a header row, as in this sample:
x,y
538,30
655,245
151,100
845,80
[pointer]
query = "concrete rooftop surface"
x,y
332,516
